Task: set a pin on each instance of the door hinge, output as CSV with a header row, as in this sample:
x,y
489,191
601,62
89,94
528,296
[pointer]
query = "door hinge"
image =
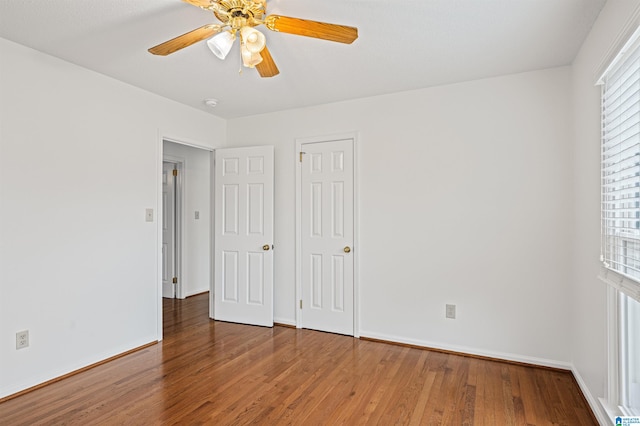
x,y
175,280
175,172
300,303
301,155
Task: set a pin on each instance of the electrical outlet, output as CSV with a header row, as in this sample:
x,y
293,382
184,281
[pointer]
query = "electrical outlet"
x,y
22,339
197,215
451,311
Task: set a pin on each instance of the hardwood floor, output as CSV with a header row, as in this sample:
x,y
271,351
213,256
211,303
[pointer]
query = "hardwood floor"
x,y
207,372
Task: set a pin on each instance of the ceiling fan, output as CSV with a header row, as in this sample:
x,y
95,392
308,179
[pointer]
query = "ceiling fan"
x,y
238,19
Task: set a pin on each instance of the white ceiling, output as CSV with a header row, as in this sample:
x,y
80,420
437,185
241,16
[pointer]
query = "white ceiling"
x,y
402,45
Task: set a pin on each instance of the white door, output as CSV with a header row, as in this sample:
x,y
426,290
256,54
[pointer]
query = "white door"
x,y
243,280
327,219
168,230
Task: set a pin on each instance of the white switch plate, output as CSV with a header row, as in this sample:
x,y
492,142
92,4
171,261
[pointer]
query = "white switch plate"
x,y
149,215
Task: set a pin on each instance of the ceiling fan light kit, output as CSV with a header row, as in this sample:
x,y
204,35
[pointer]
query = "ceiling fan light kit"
x,y
253,39
250,59
221,44
240,17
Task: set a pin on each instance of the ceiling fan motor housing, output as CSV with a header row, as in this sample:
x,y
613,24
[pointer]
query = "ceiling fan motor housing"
x,y
239,13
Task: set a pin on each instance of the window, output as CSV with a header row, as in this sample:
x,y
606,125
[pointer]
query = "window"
x,y
630,355
621,167
620,223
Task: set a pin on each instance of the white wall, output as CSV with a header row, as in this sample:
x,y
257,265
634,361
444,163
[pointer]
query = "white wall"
x,y
465,198
196,191
588,295
79,164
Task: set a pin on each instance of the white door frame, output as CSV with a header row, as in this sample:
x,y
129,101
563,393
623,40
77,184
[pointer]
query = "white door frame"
x,y
179,222
158,219
356,214
212,230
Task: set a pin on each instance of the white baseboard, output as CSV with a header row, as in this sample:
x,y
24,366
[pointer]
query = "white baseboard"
x,y
284,321
194,293
594,403
470,351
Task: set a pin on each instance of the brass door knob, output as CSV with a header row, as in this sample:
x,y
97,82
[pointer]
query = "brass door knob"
x,y
265,247
347,249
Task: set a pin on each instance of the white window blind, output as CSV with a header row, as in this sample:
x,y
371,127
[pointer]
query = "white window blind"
x,y
620,213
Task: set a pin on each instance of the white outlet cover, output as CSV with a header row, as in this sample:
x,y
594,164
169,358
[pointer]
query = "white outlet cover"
x,y
22,339
451,311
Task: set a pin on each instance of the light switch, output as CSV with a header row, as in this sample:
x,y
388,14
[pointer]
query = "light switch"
x,y
149,215
197,215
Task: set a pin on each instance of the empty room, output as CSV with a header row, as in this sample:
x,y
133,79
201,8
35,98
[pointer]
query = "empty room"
x,y
320,212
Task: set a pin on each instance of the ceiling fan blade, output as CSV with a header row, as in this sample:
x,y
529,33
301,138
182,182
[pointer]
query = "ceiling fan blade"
x,y
304,27
185,40
267,68
200,3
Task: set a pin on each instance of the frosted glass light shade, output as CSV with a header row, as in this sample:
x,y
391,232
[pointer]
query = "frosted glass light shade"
x,y
250,59
253,39
220,44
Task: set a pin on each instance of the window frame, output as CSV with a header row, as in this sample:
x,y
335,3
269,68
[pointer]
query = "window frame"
x,y
619,285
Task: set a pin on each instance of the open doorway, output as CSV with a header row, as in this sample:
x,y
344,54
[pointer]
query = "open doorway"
x,y
190,240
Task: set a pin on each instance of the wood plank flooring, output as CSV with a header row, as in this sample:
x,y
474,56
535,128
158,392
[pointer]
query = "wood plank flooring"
x,y
208,372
